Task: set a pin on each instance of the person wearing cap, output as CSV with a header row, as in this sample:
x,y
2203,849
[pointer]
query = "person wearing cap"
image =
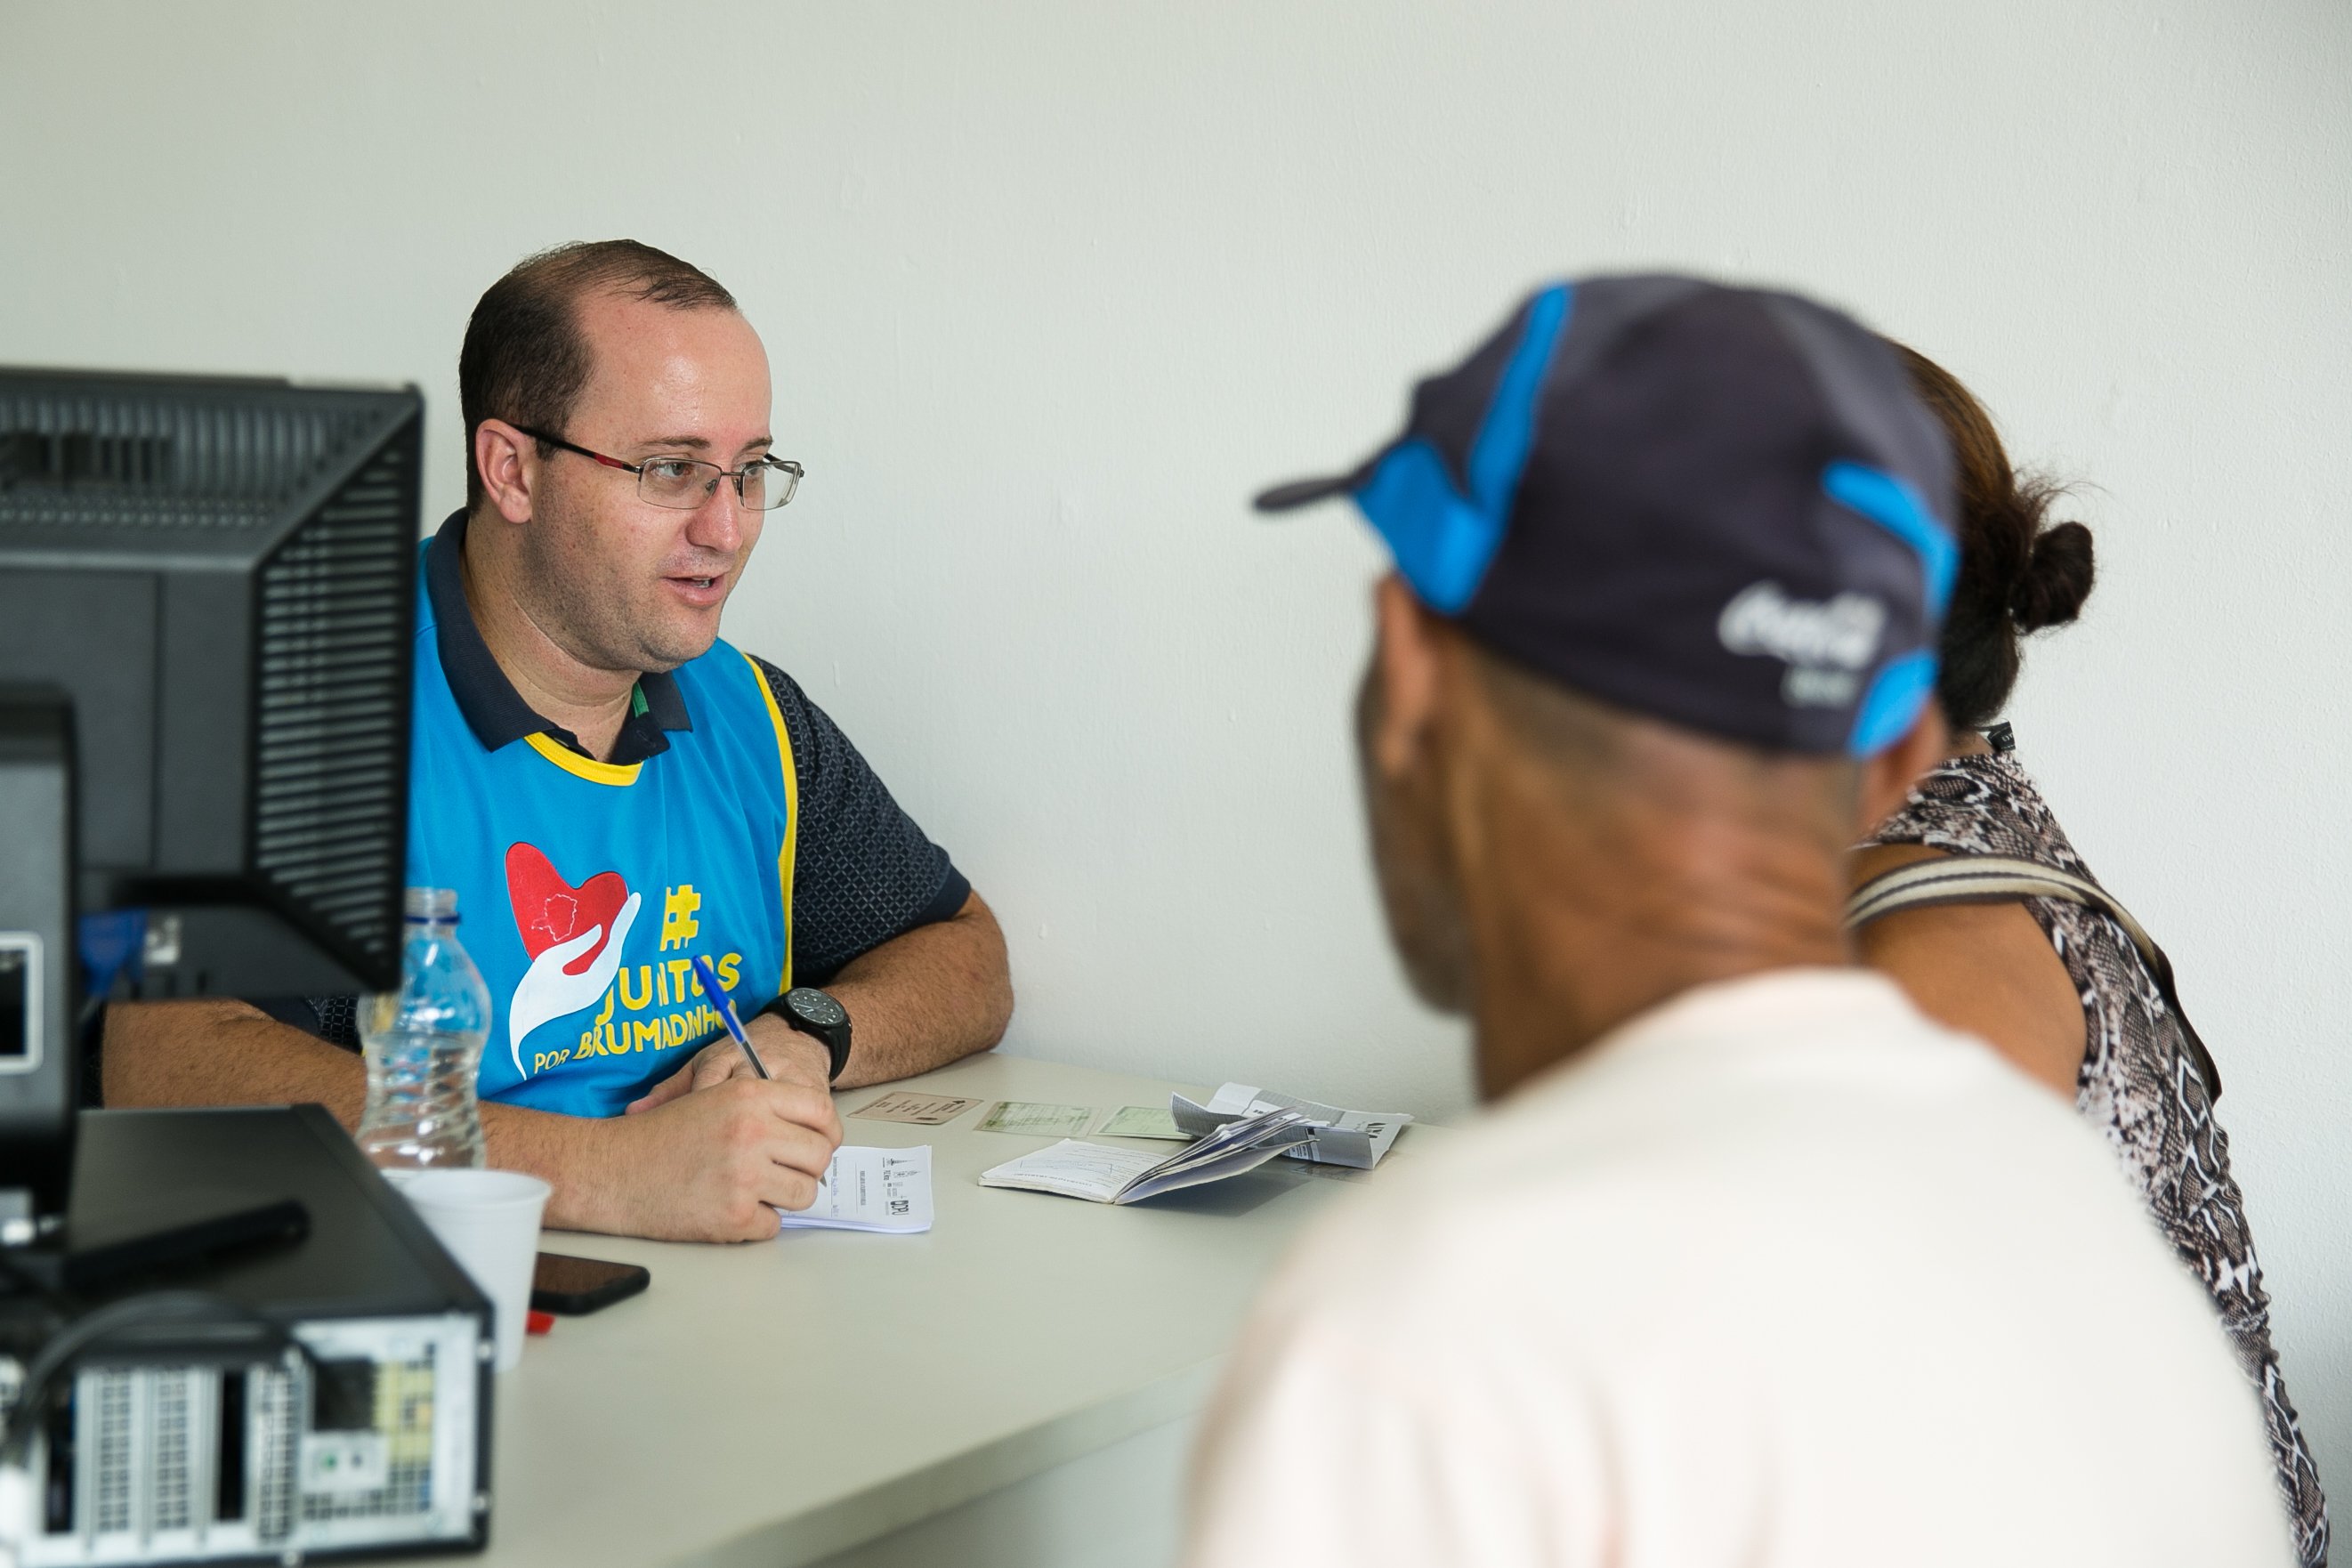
x,y
1749,1262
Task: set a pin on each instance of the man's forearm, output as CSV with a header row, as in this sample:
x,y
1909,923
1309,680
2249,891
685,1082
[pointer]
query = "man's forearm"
x,y
564,1152
224,1053
919,1000
229,1053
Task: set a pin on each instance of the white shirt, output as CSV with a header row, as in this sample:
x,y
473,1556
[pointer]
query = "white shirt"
x,y
1781,1273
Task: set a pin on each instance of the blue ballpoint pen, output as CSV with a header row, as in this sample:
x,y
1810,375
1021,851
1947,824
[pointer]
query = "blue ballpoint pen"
x,y
702,972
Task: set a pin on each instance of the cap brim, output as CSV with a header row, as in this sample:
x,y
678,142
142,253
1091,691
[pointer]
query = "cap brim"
x,y
1305,492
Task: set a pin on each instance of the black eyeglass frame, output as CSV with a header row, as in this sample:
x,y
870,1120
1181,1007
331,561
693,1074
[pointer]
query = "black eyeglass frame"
x,y
782,465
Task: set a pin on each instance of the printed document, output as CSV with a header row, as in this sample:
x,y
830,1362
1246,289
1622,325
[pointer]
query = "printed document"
x,y
887,1190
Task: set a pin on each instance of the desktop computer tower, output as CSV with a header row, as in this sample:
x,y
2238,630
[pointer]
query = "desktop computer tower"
x,y
281,1402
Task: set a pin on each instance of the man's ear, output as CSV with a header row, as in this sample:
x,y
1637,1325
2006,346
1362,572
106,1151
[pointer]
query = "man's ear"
x,y
1887,777
508,462
1405,662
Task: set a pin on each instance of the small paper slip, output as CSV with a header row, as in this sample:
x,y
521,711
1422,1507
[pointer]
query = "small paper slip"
x,y
1102,1174
870,1189
1143,1121
1357,1138
925,1110
1034,1121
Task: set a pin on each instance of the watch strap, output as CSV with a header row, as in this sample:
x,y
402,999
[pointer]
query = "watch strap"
x,y
835,1039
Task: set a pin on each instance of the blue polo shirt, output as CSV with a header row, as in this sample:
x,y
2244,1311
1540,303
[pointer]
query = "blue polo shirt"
x,y
733,820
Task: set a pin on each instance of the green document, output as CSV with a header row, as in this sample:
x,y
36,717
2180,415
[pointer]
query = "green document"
x,y
1143,1121
1034,1121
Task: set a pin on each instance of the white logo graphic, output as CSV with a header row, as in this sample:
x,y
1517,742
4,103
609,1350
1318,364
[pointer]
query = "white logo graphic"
x,y
546,992
1824,645
1842,634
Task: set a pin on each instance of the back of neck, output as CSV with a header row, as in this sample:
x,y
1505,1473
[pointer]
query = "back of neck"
x,y
1566,955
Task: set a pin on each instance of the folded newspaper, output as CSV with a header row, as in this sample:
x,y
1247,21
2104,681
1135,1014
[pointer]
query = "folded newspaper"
x,y
886,1190
1102,1174
1357,1138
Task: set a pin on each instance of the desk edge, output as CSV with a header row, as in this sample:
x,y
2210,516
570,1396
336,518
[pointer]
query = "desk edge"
x,y
865,1516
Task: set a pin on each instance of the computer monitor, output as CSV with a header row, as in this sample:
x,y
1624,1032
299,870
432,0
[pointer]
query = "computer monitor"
x,y
206,610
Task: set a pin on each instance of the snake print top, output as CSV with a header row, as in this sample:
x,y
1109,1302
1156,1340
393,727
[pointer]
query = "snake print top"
x,y
2140,1084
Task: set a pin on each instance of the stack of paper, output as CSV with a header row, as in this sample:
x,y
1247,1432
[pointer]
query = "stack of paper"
x,y
1102,1174
885,1190
1357,1138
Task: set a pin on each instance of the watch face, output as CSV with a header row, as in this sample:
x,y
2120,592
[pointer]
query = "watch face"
x,y
815,1007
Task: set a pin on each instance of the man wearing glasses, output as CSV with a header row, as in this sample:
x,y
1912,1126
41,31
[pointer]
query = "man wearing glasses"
x,y
614,792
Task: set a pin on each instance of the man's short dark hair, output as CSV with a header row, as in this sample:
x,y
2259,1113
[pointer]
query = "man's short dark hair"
x,y
524,360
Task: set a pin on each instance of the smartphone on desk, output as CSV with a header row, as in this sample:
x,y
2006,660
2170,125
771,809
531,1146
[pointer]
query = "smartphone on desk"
x,y
573,1286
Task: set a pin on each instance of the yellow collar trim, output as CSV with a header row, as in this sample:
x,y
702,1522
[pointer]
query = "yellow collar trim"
x,y
588,768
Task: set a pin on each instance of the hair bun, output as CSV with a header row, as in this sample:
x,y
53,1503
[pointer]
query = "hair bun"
x,y
2056,580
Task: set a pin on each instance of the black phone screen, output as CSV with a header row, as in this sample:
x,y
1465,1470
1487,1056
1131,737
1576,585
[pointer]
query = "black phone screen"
x,y
573,1286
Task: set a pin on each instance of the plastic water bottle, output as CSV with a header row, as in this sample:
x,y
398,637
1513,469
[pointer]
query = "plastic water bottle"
x,y
423,1045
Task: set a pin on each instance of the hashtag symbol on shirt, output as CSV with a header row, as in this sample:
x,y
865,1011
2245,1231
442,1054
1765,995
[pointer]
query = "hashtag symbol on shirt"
x,y
679,926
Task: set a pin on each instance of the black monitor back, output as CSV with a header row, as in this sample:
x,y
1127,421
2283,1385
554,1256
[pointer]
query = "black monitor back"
x,y
220,574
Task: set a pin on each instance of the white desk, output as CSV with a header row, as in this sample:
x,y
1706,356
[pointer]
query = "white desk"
x,y
1032,1362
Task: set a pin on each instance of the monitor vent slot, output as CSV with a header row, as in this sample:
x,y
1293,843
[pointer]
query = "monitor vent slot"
x,y
162,462
332,724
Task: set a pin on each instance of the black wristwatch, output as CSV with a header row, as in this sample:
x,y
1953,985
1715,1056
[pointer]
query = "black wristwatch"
x,y
813,1013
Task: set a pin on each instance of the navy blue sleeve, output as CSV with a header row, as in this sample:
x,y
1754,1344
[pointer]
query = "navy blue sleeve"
x,y
866,872
334,1019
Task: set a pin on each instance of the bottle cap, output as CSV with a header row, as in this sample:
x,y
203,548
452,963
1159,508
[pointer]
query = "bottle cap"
x,y
430,904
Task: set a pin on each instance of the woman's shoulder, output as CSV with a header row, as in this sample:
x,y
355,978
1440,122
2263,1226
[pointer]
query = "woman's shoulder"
x,y
1979,805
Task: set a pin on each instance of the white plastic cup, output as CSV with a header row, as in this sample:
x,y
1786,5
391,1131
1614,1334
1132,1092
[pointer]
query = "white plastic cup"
x,y
489,1222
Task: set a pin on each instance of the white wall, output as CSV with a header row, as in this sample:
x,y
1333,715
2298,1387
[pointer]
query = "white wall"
x,y
1050,288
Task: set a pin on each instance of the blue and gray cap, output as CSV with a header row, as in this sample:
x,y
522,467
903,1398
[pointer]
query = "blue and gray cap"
x,y
1720,507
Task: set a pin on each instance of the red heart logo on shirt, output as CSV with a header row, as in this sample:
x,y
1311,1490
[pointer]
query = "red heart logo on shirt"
x,y
549,909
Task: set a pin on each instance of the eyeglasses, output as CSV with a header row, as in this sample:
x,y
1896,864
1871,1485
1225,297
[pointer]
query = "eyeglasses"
x,y
683,484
